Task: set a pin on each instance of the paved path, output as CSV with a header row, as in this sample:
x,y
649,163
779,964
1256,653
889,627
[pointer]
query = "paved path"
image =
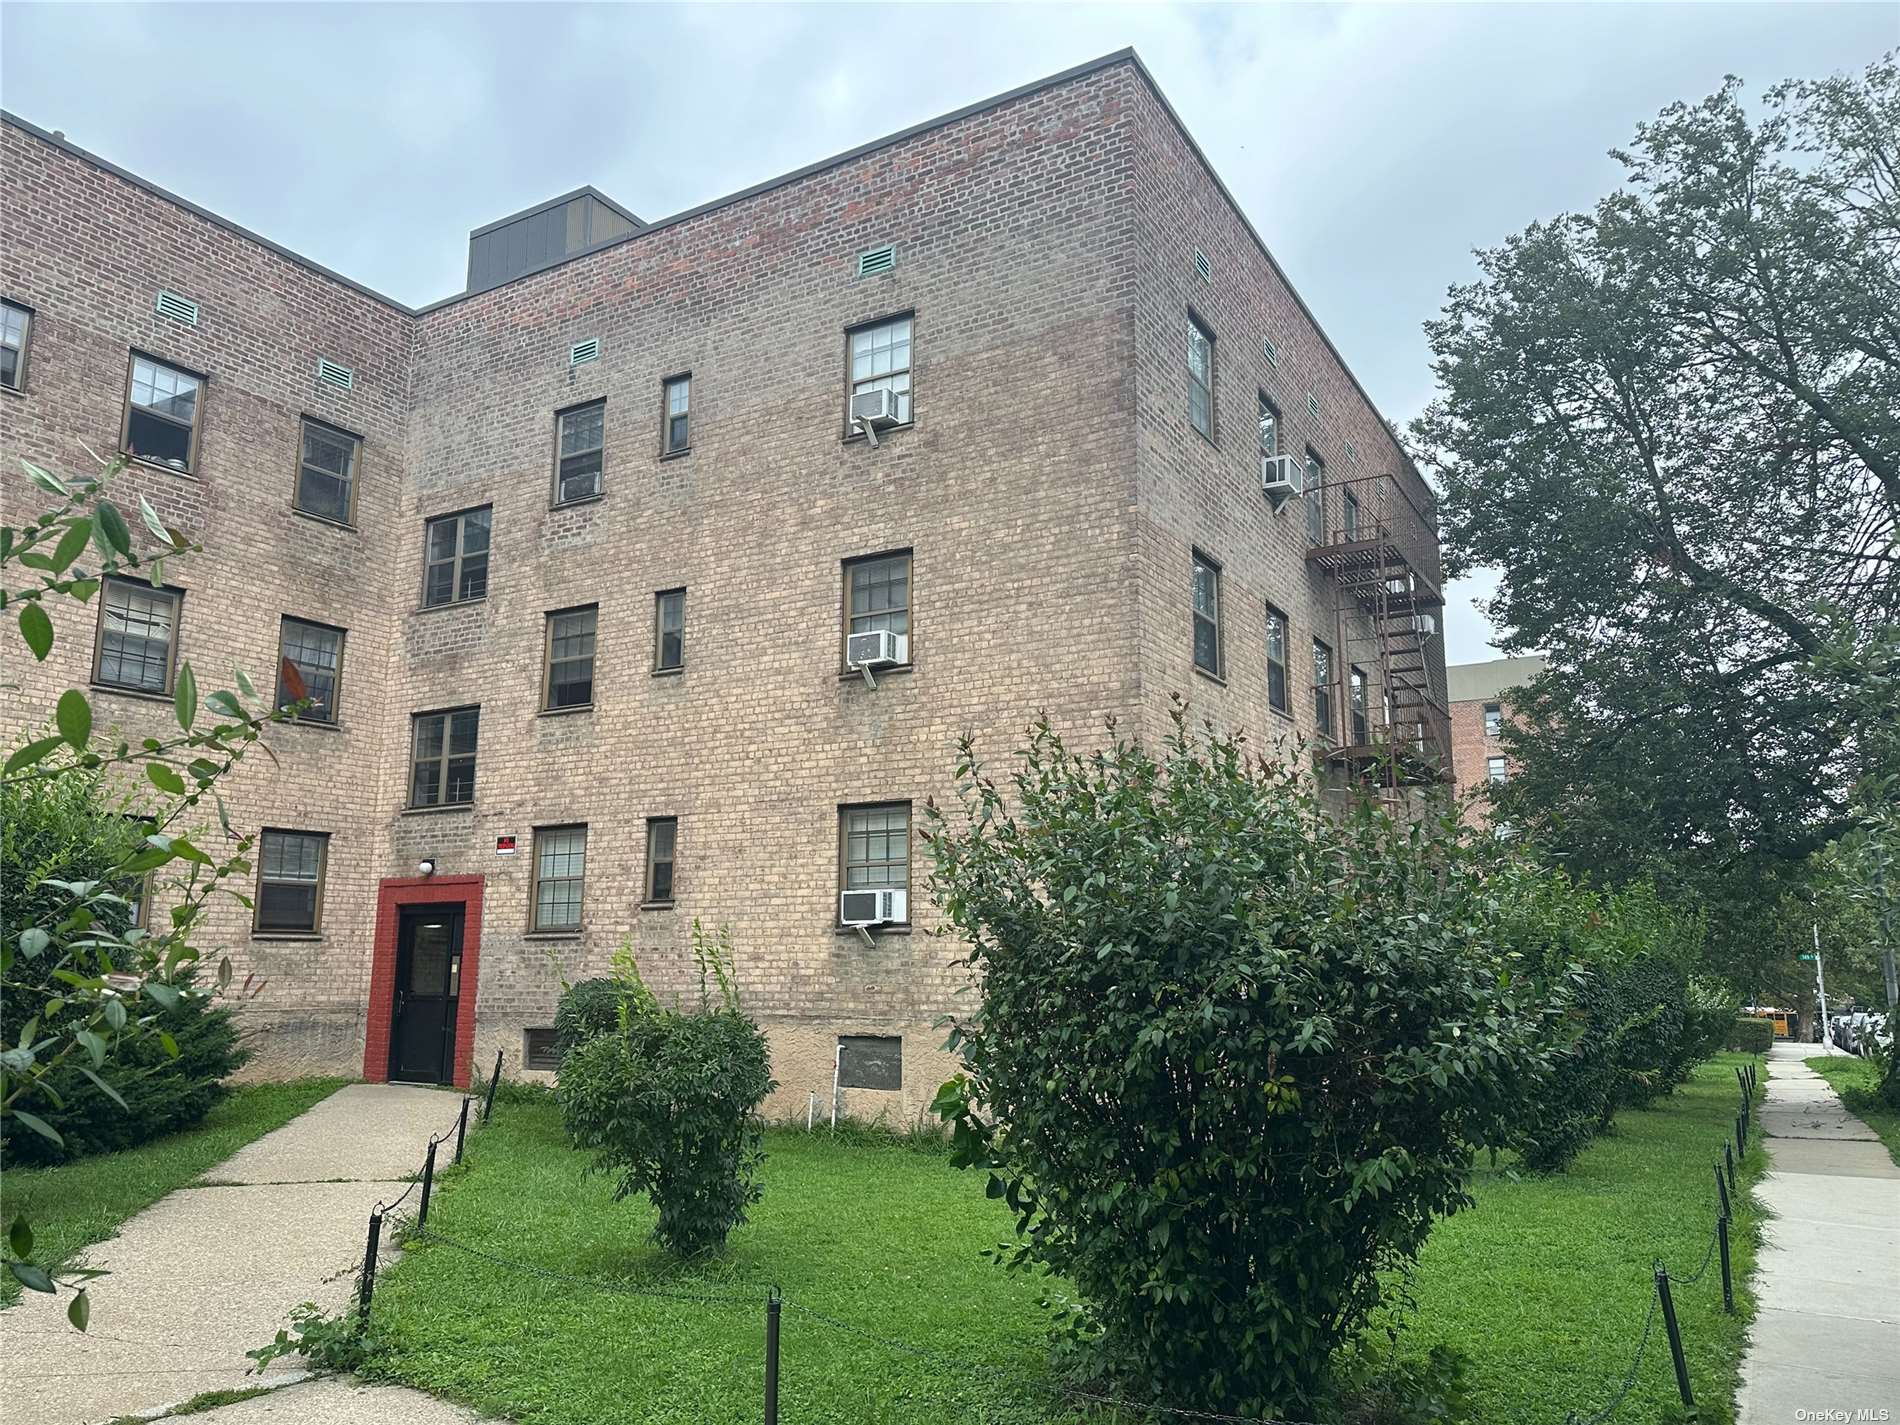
x,y
1826,1336
212,1270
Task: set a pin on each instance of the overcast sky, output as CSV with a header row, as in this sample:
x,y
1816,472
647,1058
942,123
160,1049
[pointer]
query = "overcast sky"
x,y
1373,146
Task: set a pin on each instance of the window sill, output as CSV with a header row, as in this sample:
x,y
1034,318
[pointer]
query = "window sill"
x,y
452,604
314,724
159,465
438,811
140,693
12,391
566,712
302,935
575,934
657,905
324,520
676,454
670,672
851,675
578,501
1285,714
901,927
1204,435
857,436
1211,677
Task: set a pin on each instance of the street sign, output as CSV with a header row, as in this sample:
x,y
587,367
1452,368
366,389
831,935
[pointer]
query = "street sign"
x,y
1807,957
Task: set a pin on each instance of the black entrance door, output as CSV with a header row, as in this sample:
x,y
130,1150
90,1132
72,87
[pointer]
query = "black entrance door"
x,y
428,981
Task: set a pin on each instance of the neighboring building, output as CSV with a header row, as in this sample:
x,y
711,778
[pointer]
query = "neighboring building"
x,y
575,559
1480,704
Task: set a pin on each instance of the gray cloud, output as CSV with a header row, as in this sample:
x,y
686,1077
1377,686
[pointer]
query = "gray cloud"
x,y
1373,146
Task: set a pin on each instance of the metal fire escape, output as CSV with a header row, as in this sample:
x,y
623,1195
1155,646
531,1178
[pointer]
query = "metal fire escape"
x,y
1379,547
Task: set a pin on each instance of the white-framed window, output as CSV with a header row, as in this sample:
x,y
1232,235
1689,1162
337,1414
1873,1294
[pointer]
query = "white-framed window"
x,y
560,868
1493,719
1496,771
880,361
1200,374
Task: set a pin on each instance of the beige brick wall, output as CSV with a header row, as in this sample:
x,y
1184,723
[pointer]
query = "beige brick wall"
x,y
1050,491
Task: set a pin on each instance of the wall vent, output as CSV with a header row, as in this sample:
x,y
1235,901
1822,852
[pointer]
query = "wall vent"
x,y
1201,266
582,352
1312,404
170,304
878,259
1351,454
1268,350
329,373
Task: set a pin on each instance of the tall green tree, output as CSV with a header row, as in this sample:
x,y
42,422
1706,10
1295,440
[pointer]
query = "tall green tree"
x,y
1673,424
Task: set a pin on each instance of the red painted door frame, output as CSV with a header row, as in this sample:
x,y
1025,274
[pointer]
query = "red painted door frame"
x,y
391,896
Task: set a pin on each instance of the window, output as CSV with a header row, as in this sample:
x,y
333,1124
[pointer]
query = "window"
x,y
290,867
1277,643
1495,771
161,414
1493,719
560,865
876,847
16,326
326,473
880,361
870,1061
877,598
443,764
316,651
1323,688
1206,614
139,898
662,837
1358,707
669,631
676,428
1200,368
138,636
540,1049
1315,498
568,679
457,558
1351,517
581,436
1269,428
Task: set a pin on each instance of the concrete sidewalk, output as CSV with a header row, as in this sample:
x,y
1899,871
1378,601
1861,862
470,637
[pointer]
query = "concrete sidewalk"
x,y
1826,1336
213,1270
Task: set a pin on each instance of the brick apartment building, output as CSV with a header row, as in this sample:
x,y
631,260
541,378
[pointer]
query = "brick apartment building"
x,y
1480,696
572,557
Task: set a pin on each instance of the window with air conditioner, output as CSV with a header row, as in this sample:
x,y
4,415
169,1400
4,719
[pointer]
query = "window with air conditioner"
x,y
880,360
874,864
877,611
581,441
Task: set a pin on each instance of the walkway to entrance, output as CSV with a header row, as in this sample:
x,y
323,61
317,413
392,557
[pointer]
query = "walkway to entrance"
x,y
1827,1335
212,1270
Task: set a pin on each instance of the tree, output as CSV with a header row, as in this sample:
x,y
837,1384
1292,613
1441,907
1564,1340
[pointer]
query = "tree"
x,y
1673,424
83,983
1232,1052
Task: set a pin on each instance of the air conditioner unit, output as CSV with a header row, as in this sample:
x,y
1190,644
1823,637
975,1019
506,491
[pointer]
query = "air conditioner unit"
x,y
1281,478
878,649
873,907
873,411
1425,623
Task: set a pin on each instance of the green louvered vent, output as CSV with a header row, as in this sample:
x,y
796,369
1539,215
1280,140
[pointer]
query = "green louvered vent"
x,y
878,259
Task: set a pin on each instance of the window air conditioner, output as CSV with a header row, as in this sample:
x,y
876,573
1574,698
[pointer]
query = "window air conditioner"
x,y
1425,624
1281,477
872,907
874,410
878,649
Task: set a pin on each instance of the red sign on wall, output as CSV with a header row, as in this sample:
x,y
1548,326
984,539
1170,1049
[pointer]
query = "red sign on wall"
x,y
504,846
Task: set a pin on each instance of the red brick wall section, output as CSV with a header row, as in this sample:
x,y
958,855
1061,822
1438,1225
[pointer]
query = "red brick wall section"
x,y
391,897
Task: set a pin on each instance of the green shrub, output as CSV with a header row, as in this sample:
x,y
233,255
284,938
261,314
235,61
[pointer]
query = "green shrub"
x,y
1649,1041
587,1009
66,829
1751,1035
1231,1053
669,1104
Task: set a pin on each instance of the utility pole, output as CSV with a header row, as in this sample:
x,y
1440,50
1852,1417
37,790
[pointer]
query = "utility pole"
x,y
1820,989
1886,942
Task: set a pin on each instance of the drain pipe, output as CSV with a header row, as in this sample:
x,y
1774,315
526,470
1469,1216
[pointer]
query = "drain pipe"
x,y
811,1107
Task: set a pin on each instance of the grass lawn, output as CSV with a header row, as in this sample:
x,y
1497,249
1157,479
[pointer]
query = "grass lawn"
x,y
76,1204
1543,1286
1855,1080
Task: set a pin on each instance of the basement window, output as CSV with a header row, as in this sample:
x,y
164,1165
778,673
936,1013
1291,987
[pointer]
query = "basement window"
x,y
870,1061
540,1050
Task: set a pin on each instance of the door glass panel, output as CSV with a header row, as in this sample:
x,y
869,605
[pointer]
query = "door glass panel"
x,y
429,960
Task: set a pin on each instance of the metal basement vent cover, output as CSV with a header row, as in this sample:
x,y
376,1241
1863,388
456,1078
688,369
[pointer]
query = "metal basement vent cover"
x,y
178,308
1201,266
582,352
329,373
878,259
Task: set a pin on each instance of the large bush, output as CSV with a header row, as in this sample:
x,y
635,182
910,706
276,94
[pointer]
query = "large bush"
x,y
587,1009
1752,1035
1232,1053
66,830
668,1104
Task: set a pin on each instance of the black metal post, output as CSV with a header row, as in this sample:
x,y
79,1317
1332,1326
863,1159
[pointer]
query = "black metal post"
x,y
461,1129
428,1182
771,1356
1728,1157
1675,1339
368,1288
1721,1189
1741,1134
1728,1282
1741,1080
488,1108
